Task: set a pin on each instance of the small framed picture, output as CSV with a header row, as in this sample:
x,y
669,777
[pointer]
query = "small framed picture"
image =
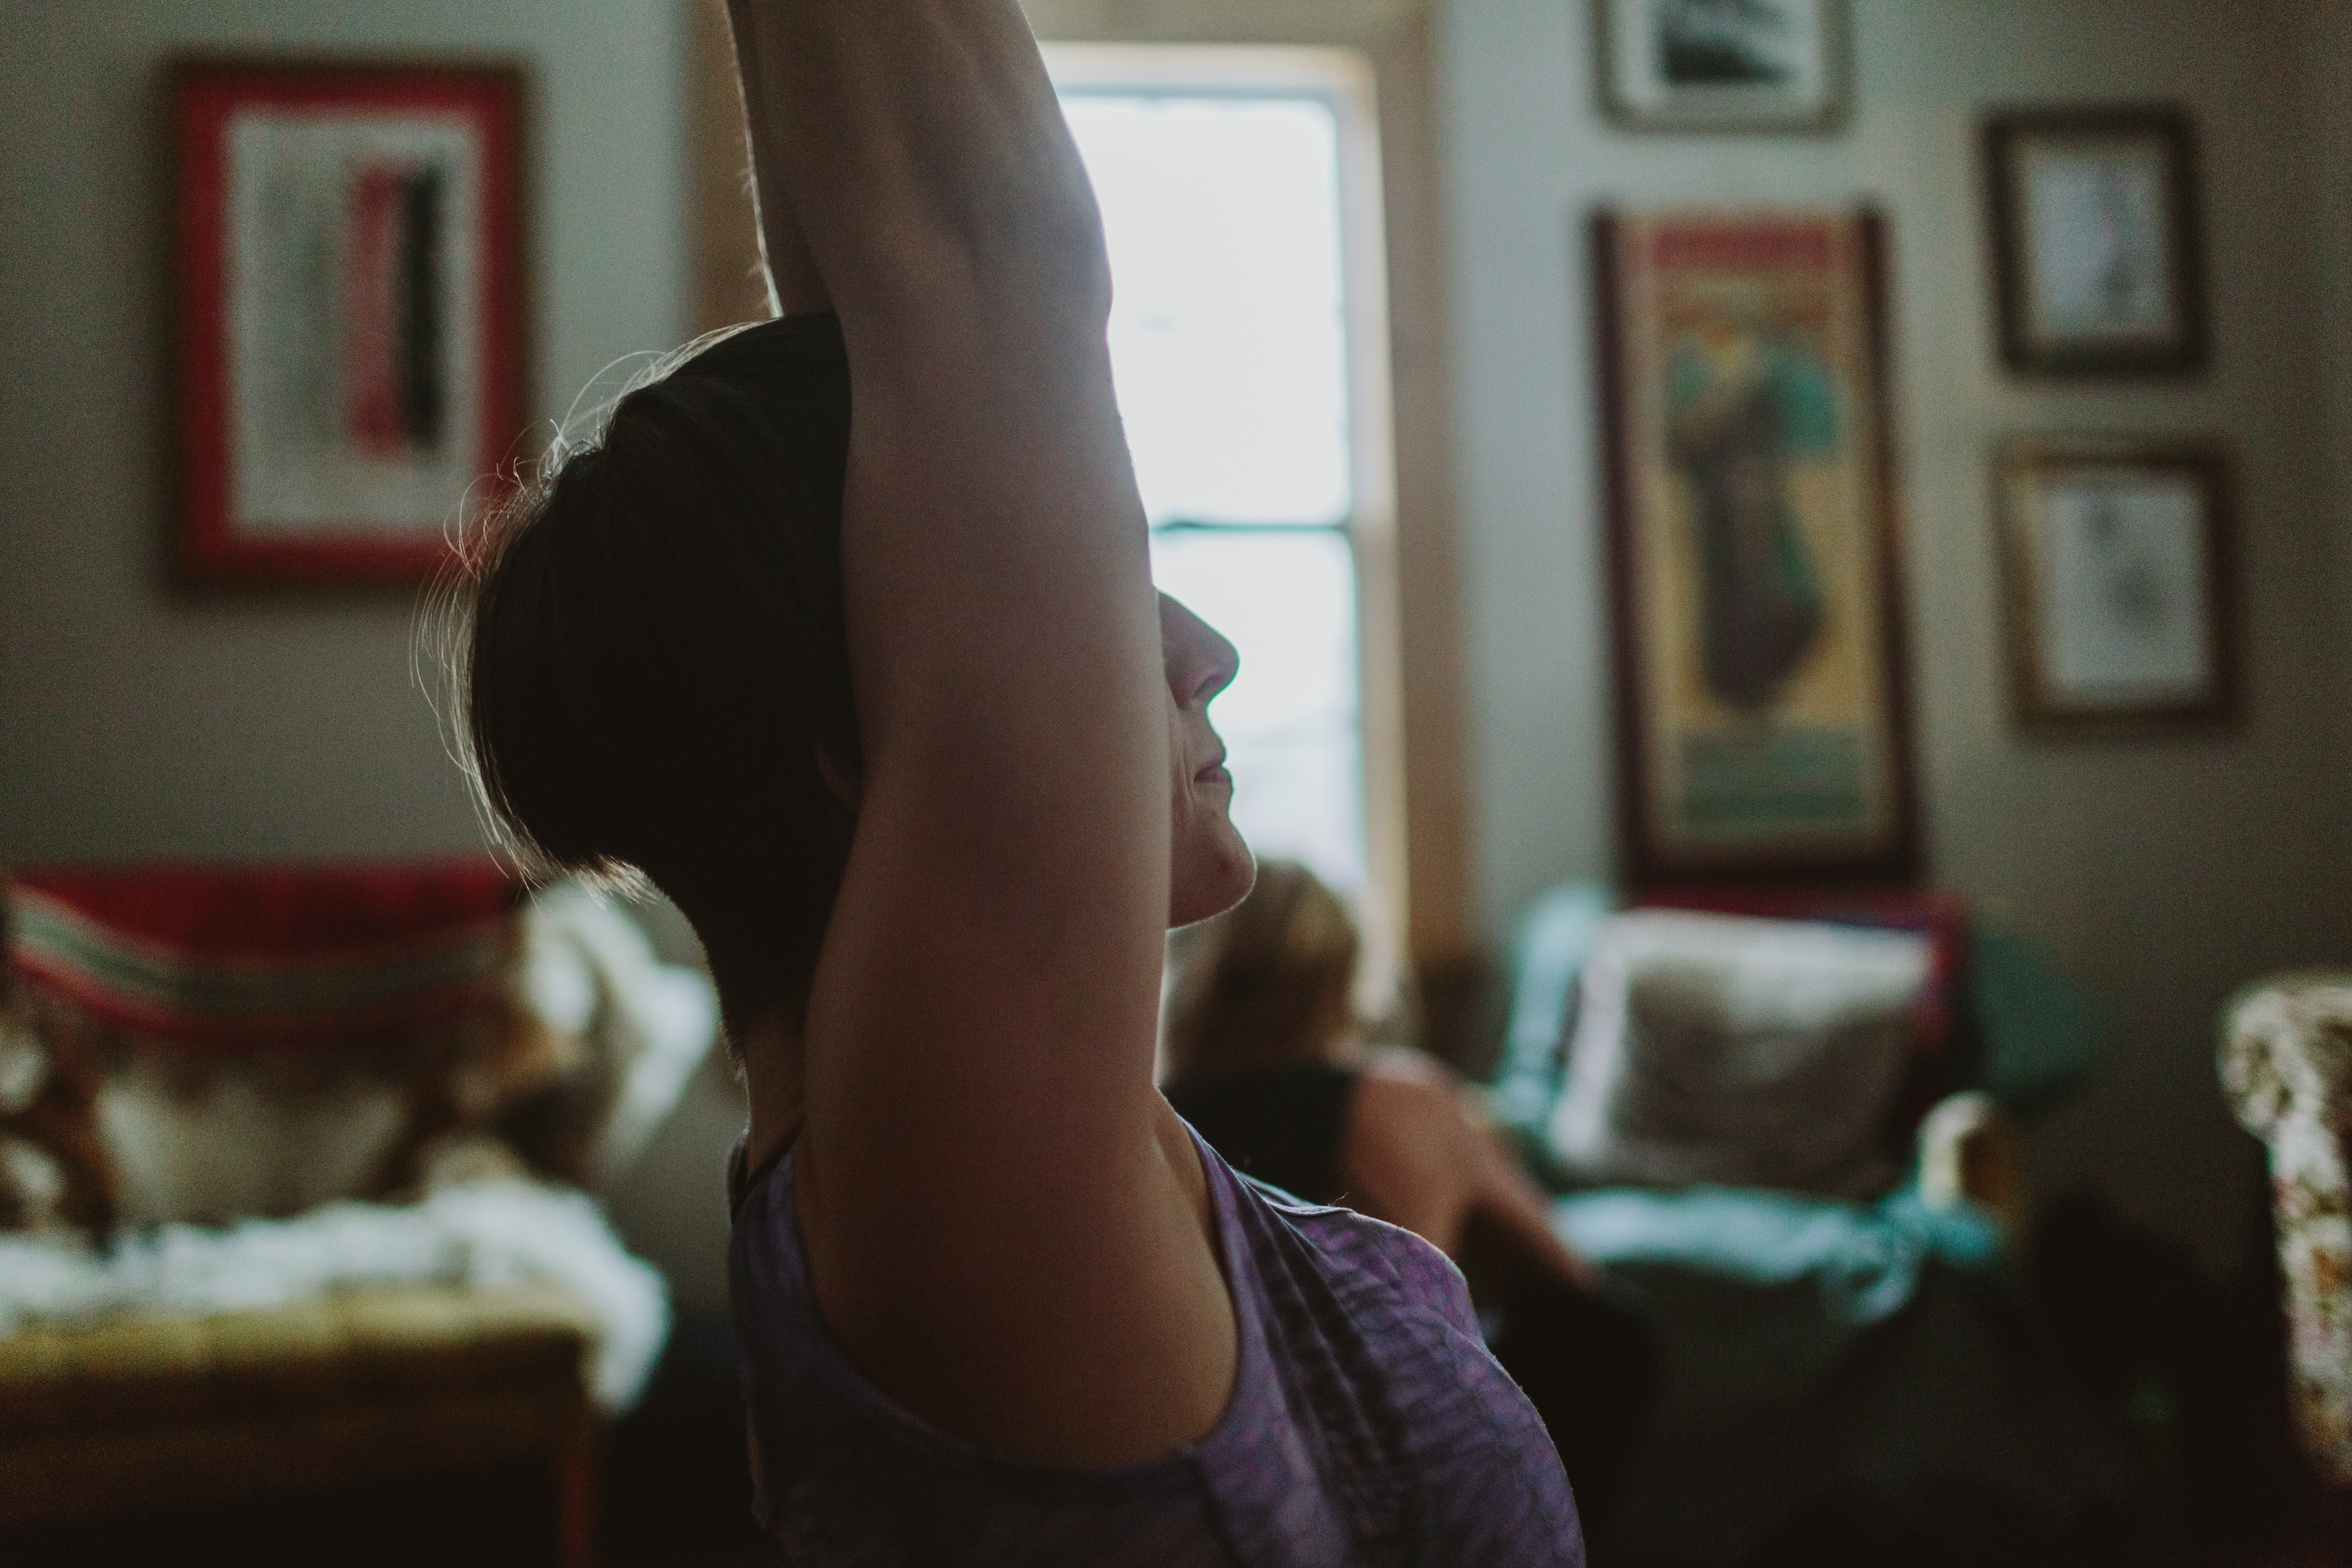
x,y
1724,64
350,316
2119,586
2094,232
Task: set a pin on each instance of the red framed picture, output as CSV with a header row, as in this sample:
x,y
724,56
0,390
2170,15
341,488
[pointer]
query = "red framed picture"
x,y
351,311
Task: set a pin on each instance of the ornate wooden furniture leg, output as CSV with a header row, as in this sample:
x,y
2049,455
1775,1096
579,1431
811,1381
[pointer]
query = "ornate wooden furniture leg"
x,y
576,1501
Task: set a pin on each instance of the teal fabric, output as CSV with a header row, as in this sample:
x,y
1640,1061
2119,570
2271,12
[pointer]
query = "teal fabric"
x,y
1547,965
2038,1034
1864,1259
1810,1347
1769,1404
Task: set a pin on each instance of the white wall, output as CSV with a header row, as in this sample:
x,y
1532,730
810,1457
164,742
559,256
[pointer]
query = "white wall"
x,y
141,720
137,718
2326,137
2162,872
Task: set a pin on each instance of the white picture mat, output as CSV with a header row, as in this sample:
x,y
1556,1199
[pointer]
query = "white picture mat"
x,y
2097,259
1793,37
2123,598
292,472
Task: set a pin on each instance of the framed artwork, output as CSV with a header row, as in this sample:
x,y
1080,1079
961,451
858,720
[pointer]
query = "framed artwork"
x,y
2094,231
1762,704
351,330
1724,64
2117,564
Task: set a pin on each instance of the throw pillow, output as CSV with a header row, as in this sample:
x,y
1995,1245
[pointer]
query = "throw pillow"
x,y
1722,1050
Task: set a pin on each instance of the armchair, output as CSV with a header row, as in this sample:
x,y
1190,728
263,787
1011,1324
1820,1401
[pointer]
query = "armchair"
x,y
283,1159
1858,1351
2286,1065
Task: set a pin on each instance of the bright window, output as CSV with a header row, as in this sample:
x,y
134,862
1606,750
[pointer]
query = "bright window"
x,y
1228,339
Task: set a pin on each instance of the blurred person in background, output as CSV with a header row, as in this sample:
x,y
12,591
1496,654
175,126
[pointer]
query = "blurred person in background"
x,y
1265,1056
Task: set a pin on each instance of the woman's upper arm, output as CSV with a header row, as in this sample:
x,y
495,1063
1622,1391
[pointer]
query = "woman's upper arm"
x,y
997,1231
1404,1158
1426,1160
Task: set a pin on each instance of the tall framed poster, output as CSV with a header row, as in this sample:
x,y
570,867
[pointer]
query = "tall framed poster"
x,y
351,317
1762,704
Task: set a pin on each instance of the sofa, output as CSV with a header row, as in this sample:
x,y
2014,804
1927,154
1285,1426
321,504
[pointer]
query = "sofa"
x,y
292,1172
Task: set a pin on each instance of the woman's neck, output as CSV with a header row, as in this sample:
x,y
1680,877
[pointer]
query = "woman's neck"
x,y
771,1049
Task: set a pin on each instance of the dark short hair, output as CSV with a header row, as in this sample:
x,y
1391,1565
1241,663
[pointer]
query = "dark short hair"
x,y
655,651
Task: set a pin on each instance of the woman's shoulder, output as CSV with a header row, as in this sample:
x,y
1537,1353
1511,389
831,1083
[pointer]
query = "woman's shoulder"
x,y
1367,1269
1405,1092
1382,1375
1365,1408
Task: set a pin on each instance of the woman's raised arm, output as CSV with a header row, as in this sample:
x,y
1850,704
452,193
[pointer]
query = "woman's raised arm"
x,y
1002,1232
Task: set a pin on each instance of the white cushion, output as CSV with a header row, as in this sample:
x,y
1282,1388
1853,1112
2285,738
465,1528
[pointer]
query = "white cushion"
x,y
1720,1050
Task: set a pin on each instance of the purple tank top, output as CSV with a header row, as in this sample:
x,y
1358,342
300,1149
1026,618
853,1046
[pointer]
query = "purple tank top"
x,y
1368,1424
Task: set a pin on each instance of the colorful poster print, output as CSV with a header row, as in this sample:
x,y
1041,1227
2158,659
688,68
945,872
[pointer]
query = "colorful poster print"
x,y
1762,709
350,352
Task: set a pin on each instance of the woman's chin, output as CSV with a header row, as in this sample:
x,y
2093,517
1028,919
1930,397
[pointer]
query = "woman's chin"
x,y
1211,878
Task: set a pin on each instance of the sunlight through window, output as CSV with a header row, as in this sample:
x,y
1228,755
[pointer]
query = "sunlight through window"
x,y
1228,342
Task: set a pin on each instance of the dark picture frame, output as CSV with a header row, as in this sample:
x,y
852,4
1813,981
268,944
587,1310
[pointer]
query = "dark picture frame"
x,y
2098,239
1762,693
351,337
1772,67
2119,583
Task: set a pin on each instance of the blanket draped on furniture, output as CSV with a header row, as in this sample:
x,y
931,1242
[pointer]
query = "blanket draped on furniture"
x,y
215,1043
309,957
490,1235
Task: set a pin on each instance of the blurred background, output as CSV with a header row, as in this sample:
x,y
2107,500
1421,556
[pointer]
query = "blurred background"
x,y
1358,340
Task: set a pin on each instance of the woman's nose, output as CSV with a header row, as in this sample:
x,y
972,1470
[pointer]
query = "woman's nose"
x,y
1201,662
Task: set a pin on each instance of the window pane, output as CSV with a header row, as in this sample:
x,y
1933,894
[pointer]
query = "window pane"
x,y
1226,332
1288,602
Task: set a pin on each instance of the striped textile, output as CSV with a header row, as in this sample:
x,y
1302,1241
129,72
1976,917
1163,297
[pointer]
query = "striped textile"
x,y
224,957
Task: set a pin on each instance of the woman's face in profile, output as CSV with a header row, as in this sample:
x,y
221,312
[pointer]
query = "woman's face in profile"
x,y
1210,867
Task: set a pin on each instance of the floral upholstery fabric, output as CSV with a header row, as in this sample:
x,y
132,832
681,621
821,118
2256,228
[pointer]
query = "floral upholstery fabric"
x,y
2286,1062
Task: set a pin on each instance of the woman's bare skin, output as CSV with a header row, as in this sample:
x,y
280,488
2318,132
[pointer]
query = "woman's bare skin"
x,y
1007,1228
1417,1154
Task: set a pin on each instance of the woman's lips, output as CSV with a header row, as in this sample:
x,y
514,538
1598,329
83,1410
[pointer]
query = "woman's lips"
x,y
1214,774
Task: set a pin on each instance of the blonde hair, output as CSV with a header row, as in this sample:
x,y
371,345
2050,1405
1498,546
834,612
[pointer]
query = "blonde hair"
x,y
1269,983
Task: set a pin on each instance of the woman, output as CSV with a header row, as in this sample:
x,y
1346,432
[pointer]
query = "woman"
x,y
886,705
1262,1046
1265,1058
